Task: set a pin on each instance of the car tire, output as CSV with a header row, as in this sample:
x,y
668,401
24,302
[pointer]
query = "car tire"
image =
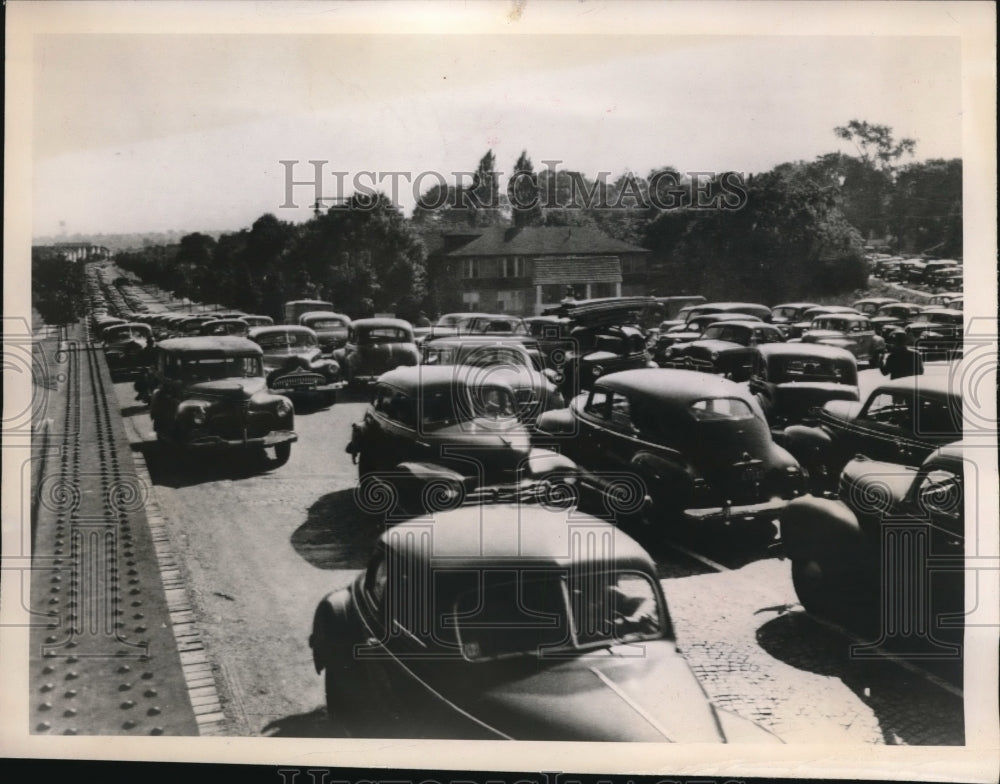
x,y
829,590
282,452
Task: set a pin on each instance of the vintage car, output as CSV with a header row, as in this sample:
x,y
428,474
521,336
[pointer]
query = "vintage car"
x,y
211,394
848,330
902,421
870,306
127,349
526,631
724,347
254,320
790,312
606,338
446,435
190,326
792,381
795,329
697,446
691,330
950,279
941,300
294,363
670,307
886,556
552,334
375,346
937,267
892,315
912,270
297,307
477,324
331,328
220,327
535,387
937,333
104,322
745,308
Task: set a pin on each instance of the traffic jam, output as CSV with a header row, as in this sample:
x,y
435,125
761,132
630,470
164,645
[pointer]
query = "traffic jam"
x,y
518,505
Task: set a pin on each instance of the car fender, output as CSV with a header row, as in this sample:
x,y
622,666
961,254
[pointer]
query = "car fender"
x,y
427,472
806,443
545,461
329,627
812,525
558,422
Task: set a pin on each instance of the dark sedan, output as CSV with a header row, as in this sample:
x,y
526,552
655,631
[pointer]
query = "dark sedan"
x,y
295,365
375,346
692,446
725,347
532,623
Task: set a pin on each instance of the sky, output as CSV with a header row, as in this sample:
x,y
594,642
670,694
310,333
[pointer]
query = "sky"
x,y
150,132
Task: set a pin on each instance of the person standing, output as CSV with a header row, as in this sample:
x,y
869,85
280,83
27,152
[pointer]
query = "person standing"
x,y
901,360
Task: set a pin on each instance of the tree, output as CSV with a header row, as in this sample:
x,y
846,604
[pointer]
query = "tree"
x,y
875,144
523,192
925,208
57,286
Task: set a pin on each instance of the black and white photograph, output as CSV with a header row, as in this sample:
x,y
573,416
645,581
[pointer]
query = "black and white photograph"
x,y
386,380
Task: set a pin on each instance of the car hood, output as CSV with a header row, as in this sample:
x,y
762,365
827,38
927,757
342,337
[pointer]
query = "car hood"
x,y
822,334
275,359
240,388
708,346
642,692
802,396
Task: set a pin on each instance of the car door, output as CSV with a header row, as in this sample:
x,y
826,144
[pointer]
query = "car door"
x,y
884,430
590,446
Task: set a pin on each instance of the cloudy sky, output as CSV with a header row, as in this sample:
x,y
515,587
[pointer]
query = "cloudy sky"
x,y
155,132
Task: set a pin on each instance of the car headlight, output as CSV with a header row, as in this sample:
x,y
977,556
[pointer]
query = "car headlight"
x,y
198,416
284,407
597,370
714,356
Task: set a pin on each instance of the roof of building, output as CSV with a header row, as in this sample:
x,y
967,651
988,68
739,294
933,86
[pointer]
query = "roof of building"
x,y
544,241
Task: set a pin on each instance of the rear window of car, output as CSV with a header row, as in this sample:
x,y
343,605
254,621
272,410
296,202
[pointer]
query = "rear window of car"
x,y
283,340
814,369
720,408
216,368
385,335
539,613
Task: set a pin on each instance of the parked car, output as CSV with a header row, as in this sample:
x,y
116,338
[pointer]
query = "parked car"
x,y
606,337
211,394
792,381
938,333
444,435
295,365
699,445
375,346
790,312
190,326
535,387
950,279
851,331
691,330
863,559
297,307
669,307
724,347
932,269
127,349
331,328
219,327
525,632
894,314
478,324
253,320
552,334
912,270
870,306
796,329
745,308
902,421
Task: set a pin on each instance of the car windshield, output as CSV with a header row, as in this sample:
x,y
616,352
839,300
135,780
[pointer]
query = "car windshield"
x,y
785,312
446,406
120,335
489,356
384,335
283,341
837,325
327,323
813,369
720,408
944,318
217,368
527,612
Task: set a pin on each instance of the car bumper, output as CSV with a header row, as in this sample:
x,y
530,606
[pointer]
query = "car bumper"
x,y
688,363
306,391
732,514
274,438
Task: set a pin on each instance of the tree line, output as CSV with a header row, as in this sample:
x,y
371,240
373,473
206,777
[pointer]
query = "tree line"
x,y
796,231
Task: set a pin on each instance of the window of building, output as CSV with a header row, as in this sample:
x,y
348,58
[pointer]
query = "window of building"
x,y
510,267
470,297
510,301
470,268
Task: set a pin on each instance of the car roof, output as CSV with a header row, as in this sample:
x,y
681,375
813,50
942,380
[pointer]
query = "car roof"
x,y
279,329
308,301
129,324
845,316
803,349
419,378
884,300
796,305
210,345
949,311
382,322
758,324
225,321
941,386
680,386
324,314
503,534
482,340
